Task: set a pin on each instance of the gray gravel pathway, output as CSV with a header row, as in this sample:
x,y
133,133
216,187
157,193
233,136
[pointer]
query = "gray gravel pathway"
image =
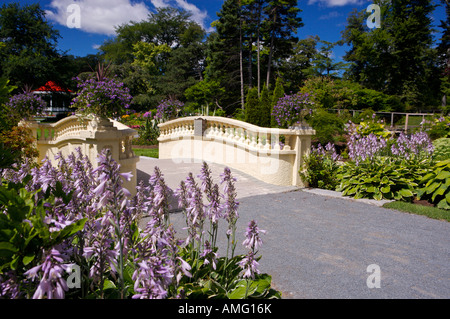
x,y
320,246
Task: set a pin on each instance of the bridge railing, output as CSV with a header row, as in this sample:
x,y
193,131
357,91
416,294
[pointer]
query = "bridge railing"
x,y
92,136
269,154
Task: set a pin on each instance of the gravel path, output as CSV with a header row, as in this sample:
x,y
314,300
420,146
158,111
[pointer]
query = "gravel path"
x,y
317,246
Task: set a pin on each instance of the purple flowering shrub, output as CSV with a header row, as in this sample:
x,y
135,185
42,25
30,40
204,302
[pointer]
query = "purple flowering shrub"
x,y
292,109
169,109
72,231
104,98
26,105
320,167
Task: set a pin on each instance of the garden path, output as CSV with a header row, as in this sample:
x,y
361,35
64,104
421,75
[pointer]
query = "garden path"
x,y
318,245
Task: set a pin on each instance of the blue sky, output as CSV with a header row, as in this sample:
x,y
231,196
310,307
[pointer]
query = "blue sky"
x,y
325,18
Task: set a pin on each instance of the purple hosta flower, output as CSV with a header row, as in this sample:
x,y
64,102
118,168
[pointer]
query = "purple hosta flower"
x,y
208,255
160,204
363,148
9,286
328,151
252,239
51,271
147,115
249,265
212,193
412,147
230,205
195,211
150,279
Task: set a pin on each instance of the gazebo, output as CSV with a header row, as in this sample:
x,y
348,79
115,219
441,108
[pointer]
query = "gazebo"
x,y
58,99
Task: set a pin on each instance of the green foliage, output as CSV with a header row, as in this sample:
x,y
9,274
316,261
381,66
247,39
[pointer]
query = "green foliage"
x,y
436,185
265,107
382,178
320,172
329,127
223,282
439,128
24,230
252,107
441,149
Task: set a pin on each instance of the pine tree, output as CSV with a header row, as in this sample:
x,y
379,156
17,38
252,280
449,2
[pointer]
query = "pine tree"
x,y
278,93
265,106
252,107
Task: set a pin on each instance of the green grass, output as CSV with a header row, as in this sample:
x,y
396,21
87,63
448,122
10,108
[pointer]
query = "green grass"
x,y
149,152
431,212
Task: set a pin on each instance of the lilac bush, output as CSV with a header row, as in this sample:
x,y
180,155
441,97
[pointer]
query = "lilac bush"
x,y
292,109
104,98
85,217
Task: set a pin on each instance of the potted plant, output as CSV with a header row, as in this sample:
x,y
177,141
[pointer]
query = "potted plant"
x,y
291,110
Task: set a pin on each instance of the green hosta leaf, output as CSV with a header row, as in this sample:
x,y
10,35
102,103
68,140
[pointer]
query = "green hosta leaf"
x,y
443,175
378,196
432,187
370,189
405,192
443,204
440,191
386,189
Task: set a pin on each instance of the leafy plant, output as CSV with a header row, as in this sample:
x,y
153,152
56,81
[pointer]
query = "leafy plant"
x,y
320,167
75,214
441,149
436,185
381,178
292,109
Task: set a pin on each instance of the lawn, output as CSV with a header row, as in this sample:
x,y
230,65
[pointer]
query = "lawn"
x,y
149,152
431,212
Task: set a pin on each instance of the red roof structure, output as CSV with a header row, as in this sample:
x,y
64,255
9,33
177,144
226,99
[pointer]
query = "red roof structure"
x,y
51,86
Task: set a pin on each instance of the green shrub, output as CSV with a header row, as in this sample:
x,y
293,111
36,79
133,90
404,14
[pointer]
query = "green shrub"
x,y
382,178
441,149
320,167
329,127
436,185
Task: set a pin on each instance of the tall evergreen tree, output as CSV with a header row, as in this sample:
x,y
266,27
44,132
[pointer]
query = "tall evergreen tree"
x,y
223,54
282,23
392,58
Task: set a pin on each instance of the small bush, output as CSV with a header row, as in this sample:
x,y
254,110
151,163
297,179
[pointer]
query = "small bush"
x,y
436,185
441,149
321,167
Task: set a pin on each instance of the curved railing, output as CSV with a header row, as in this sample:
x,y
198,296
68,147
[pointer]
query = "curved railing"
x,y
252,145
91,135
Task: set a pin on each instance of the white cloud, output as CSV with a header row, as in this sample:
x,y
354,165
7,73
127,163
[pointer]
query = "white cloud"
x,y
102,16
99,16
337,3
331,15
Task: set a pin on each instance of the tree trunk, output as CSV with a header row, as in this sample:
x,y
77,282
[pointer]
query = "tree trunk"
x,y
271,51
240,57
258,49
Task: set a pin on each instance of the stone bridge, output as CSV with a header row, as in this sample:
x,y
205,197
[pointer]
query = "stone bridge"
x,y
92,136
271,155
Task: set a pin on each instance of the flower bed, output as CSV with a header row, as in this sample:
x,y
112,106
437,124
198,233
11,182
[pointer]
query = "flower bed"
x,y
71,231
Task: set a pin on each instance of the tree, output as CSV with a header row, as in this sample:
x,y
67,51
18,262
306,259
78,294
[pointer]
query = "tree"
x,y
444,56
392,58
265,107
252,107
28,55
205,93
281,25
224,54
158,58
278,92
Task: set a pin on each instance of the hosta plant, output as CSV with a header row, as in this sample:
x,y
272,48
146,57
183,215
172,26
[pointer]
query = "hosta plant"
x,y
436,185
72,215
381,178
